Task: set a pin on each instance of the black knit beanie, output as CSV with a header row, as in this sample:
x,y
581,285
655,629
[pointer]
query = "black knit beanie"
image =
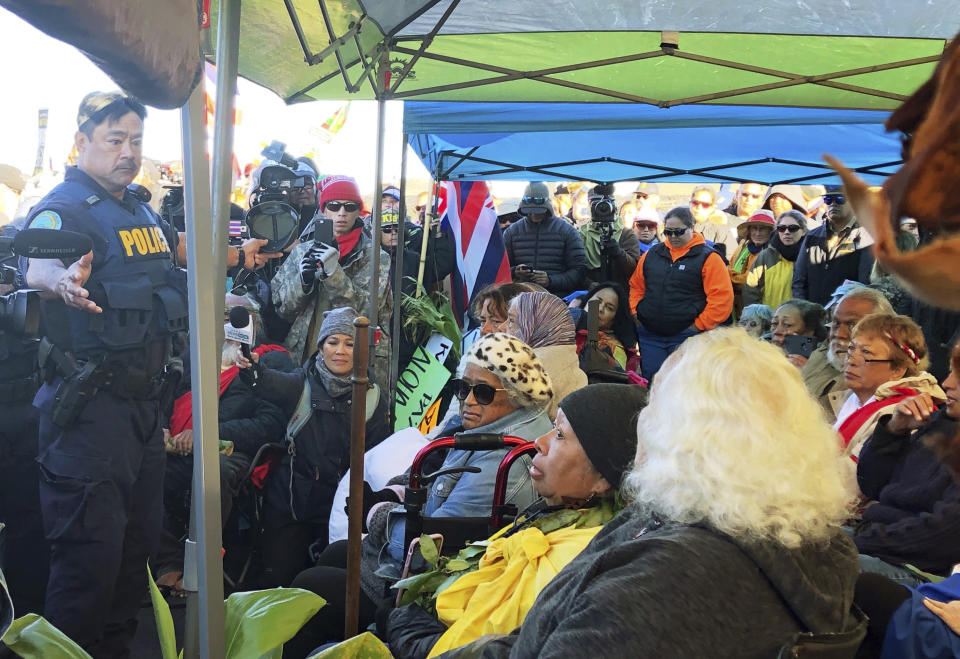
x,y
604,418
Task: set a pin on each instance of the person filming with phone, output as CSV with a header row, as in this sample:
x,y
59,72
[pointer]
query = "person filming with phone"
x,y
798,327
332,270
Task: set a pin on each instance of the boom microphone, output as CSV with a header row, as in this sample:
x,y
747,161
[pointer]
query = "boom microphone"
x,y
51,244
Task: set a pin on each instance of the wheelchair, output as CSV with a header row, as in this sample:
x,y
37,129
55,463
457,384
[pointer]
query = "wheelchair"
x,y
458,531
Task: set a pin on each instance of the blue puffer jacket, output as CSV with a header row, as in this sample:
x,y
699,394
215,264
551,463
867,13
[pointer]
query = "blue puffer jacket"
x,y
553,246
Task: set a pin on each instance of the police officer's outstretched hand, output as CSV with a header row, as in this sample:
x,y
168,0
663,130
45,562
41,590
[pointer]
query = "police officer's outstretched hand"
x,y
70,285
253,258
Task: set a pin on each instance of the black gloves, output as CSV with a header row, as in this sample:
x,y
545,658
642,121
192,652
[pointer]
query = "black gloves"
x,y
308,269
370,499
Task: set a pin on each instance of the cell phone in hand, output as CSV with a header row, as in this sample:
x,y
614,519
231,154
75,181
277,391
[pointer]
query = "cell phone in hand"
x,y
323,232
794,344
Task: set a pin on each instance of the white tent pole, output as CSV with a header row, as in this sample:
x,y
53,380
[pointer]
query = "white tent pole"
x,y
207,238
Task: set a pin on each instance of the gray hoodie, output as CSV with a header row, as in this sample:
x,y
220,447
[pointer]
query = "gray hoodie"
x,y
643,590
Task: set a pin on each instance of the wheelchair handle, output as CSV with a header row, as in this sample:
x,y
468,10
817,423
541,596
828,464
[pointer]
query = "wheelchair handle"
x,y
429,478
464,442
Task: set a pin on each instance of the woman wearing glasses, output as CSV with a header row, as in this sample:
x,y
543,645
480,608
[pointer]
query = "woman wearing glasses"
x,y
680,288
503,389
885,365
769,278
317,277
754,234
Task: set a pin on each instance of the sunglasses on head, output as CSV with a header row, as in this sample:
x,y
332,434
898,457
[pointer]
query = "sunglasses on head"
x,y
388,228
483,393
792,228
349,206
834,199
675,233
534,200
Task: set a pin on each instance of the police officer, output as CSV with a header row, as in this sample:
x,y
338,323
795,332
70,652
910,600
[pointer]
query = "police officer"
x,y
107,367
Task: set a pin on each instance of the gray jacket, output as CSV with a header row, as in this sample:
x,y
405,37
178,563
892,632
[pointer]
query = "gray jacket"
x,y
643,590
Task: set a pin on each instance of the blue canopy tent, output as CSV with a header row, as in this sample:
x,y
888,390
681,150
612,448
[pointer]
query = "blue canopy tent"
x,y
615,142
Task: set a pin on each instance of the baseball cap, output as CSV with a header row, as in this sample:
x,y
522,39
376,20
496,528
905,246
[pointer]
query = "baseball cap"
x,y
391,191
647,188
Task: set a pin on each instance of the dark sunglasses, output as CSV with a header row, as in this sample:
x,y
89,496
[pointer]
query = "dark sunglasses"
x,y
675,233
389,228
349,206
792,228
834,199
483,393
701,204
534,200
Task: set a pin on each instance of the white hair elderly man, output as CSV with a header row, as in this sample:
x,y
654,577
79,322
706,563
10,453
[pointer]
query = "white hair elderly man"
x,y
822,374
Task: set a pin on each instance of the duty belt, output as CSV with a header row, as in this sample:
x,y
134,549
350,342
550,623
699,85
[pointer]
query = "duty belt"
x,y
130,374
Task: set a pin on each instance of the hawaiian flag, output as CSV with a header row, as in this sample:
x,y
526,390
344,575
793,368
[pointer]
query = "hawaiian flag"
x,y
467,212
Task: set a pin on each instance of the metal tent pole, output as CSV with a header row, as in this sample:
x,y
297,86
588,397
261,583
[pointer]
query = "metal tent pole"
x,y
372,306
206,257
398,255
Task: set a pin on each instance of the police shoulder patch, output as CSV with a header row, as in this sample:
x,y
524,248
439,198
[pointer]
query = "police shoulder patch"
x,y
46,220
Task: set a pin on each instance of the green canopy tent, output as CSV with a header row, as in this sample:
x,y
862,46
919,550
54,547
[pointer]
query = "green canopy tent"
x,y
818,53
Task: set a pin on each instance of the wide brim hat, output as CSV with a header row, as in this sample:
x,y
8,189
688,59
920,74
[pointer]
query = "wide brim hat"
x,y
761,218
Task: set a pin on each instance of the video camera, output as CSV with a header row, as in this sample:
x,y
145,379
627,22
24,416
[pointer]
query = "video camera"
x,y
271,215
603,208
19,310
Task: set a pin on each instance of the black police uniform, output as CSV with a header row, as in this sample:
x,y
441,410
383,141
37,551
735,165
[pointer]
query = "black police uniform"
x,y
101,449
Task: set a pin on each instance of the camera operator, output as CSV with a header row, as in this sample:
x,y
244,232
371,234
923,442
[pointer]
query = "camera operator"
x,y
612,252
543,248
317,277
303,196
108,377
24,553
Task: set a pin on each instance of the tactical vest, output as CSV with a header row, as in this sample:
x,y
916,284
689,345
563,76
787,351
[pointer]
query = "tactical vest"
x,y
142,293
674,295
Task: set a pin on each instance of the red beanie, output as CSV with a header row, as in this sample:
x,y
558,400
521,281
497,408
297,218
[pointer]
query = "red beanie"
x,y
343,188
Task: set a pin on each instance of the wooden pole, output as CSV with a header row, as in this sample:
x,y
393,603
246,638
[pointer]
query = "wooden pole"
x,y
358,432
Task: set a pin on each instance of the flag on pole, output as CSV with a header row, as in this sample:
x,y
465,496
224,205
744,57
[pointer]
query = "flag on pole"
x,y
467,213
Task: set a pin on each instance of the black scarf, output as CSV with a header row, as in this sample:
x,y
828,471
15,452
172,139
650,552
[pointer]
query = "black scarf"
x,y
789,252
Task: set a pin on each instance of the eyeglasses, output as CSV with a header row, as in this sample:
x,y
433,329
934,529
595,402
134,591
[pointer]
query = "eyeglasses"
x,y
388,228
834,199
646,226
675,233
483,393
349,206
701,204
854,350
792,228
534,200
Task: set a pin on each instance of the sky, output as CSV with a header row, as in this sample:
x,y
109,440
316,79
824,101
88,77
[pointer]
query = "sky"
x,y
57,76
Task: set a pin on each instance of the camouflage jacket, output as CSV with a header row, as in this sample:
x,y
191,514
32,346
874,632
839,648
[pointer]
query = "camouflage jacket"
x,y
347,286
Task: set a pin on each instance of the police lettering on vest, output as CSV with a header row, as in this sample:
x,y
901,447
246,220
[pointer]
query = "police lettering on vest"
x,y
143,242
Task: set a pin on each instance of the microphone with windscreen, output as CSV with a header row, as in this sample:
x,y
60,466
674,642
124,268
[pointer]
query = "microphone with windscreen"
x,y
240,321
51,244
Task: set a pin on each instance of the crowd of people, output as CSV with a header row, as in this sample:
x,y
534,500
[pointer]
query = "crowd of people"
x,y
730,413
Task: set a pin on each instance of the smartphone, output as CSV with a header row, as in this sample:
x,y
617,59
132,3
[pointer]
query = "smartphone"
x,y
794,344
323,232
412,551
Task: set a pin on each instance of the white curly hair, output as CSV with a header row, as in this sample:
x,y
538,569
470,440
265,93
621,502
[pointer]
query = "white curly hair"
x,y
731,438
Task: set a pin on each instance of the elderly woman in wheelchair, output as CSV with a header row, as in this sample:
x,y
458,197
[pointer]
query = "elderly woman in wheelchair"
x,y
504,390
489,586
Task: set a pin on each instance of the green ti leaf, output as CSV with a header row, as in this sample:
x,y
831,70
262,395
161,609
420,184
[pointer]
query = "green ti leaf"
x,y
32,637
259,622
163,619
